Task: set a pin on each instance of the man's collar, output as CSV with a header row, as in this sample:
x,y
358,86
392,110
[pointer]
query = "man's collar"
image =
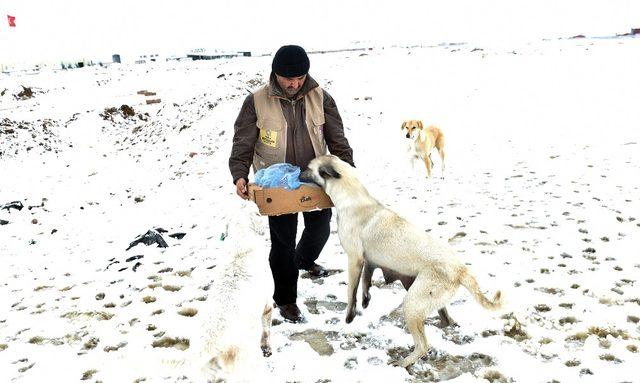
x,y
276,91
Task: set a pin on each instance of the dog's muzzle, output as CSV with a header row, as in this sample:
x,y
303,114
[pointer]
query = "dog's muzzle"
x,y
307,176
408,136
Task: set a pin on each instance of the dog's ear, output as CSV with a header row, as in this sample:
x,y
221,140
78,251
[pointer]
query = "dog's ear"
x,y
403,125
327,171
420,124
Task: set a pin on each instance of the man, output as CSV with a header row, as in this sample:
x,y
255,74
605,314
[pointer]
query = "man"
x,y
292,120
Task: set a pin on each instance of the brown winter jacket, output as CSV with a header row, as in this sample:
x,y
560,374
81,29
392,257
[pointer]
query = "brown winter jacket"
x,y
299,149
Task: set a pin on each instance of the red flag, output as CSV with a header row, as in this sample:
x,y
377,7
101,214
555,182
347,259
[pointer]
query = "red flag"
x,y
12,20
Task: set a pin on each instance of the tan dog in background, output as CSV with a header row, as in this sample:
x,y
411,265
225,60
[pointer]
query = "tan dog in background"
x,y
424,140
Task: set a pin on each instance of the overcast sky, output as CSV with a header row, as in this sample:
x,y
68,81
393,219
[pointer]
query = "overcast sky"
x,y
49,29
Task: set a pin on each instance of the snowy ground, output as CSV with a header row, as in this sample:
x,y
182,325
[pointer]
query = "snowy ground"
x,y
540,198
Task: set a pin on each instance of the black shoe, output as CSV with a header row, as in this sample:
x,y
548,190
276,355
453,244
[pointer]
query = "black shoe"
x,y
291,312
317,271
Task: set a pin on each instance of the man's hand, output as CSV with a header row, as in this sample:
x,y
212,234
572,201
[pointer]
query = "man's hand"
x,y
241,188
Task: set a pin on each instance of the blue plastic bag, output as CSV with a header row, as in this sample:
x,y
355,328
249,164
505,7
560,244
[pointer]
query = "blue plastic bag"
x,y
279,176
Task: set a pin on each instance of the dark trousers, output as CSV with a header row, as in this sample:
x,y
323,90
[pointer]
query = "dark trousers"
x,y
286,258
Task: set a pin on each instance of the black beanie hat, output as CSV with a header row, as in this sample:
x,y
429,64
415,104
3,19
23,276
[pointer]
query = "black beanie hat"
x,y
290,61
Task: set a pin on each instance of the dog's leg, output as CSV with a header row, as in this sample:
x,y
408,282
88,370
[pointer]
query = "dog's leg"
x,y
414,307
413,161
412,157
355,270
441,152
366,282
445,319
416,328
265,342
425,295
439,144
427,163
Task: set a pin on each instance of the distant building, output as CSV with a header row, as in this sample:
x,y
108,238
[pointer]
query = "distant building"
x,y
73,64
177,58
635,31
206,54
143,59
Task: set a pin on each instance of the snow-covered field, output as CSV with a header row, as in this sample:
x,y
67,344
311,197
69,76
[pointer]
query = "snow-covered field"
x,y
540,197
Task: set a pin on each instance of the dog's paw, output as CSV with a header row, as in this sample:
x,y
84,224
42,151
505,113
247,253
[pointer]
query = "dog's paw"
x,y
406,363
366,298
352,314
266,351
447,325
399,363
349,318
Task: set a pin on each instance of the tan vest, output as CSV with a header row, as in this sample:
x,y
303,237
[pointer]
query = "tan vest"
x,y
271,147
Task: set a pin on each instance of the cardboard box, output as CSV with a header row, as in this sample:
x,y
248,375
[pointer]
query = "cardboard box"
x,y
277,201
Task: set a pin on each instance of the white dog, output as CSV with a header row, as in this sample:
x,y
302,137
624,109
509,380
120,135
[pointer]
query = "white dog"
x,y
232,334
237,318
370,231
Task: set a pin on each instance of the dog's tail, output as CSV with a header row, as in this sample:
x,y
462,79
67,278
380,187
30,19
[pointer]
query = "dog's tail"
x,y
469,282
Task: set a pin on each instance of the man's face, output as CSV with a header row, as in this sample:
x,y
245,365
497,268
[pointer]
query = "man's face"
x,y
291,85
